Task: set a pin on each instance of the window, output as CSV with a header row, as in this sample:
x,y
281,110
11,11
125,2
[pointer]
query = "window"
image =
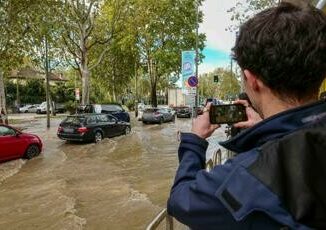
x,y
102,118
111,108
76,120
111,119
91,120
5,131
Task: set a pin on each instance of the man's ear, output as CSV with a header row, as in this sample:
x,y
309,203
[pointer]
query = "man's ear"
x,y
252,80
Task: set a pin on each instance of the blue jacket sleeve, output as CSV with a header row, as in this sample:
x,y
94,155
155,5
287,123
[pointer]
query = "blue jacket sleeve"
x,y
192,199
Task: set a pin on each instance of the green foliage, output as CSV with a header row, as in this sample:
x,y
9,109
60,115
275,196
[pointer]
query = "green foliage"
x,y
165,28
124,36
33,92
130,105
70,106
62,92
227,88
242,11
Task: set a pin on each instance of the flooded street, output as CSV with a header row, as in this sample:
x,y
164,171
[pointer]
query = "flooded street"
x,y
120,183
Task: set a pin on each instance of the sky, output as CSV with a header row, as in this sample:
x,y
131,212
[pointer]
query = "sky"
x,y
218,41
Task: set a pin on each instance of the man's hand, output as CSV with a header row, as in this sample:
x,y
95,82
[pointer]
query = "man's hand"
x,y
201,125
253,116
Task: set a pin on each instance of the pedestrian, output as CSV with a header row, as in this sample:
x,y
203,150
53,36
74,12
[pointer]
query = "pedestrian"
x,y
276,179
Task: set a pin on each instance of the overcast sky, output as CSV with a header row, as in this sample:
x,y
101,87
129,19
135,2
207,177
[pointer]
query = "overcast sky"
x,y
218,41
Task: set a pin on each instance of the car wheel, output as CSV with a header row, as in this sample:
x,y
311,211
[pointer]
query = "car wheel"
x,y
98,137
127,130
32,151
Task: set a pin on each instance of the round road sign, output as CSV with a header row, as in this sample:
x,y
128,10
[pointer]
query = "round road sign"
x,y
193,81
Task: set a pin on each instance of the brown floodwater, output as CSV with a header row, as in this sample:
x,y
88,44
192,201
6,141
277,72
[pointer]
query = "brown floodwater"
x,y
120,183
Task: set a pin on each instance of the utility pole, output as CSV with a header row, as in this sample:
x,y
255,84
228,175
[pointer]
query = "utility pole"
x,y
136,92
230,83
197,57
47,88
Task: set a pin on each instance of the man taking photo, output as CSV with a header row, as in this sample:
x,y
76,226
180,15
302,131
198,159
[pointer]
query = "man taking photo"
x,y
277,177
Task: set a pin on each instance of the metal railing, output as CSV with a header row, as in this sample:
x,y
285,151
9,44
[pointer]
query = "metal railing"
x,y
163,215
215,160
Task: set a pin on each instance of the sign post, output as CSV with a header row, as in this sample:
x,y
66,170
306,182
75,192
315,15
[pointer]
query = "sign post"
x,y
77,94
189,79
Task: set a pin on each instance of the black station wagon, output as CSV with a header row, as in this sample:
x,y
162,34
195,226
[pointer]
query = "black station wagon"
x,y
91,127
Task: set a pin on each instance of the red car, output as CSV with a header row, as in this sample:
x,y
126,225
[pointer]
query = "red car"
x,y
16,144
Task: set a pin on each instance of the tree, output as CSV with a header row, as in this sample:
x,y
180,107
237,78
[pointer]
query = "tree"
x,y
119,63
43,42
12,30
242,11
165,28
83,32
227,88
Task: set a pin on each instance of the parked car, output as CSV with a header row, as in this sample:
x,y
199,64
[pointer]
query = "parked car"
x,y
157,115
183,111
16,144
114,109
91,127
33,108
141,109
58,108
24,109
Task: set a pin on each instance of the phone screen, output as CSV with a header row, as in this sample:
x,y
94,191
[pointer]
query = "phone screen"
x,y
227,114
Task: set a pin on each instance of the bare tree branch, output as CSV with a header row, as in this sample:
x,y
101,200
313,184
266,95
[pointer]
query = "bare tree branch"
x,y
100,58
74,53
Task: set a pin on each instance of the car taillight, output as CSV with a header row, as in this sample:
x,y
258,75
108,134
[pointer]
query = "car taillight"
x,y
60,129
82,130
157,114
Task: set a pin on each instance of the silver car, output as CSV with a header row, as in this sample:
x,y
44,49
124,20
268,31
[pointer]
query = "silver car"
x,y
157,115
33,108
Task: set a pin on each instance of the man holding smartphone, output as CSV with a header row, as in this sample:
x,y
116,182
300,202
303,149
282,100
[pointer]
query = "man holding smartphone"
x,y
277,178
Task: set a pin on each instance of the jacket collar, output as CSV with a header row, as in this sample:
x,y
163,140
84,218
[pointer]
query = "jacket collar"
x,y
276,126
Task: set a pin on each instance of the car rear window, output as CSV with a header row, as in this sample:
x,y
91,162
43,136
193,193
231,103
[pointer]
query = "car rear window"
x,y
111,108
150,110
74,120
183,109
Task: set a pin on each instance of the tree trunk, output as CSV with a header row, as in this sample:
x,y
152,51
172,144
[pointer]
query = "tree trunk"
x,y
152,76
114,94
3,109
84,66
153,95
85,85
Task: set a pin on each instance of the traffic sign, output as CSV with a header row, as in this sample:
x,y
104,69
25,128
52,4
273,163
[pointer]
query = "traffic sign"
x,y
193,81
77,94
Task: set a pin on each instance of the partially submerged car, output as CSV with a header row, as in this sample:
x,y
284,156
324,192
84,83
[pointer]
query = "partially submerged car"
x,y
114,109
91,127
183,112
157,115
16,144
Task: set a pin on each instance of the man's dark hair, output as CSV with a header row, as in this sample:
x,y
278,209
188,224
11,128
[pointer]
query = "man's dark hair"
x,y
285,46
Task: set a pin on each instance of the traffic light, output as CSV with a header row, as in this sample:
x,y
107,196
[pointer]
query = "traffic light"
x,y
215,78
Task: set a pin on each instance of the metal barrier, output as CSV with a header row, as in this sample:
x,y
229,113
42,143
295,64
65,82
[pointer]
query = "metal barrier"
x,y
163,215
215,160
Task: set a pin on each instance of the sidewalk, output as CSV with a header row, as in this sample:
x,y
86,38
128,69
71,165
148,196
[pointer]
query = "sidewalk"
x,y
31,116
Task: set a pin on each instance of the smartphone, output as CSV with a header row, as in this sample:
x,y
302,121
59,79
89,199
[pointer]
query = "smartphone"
x,y
227,114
